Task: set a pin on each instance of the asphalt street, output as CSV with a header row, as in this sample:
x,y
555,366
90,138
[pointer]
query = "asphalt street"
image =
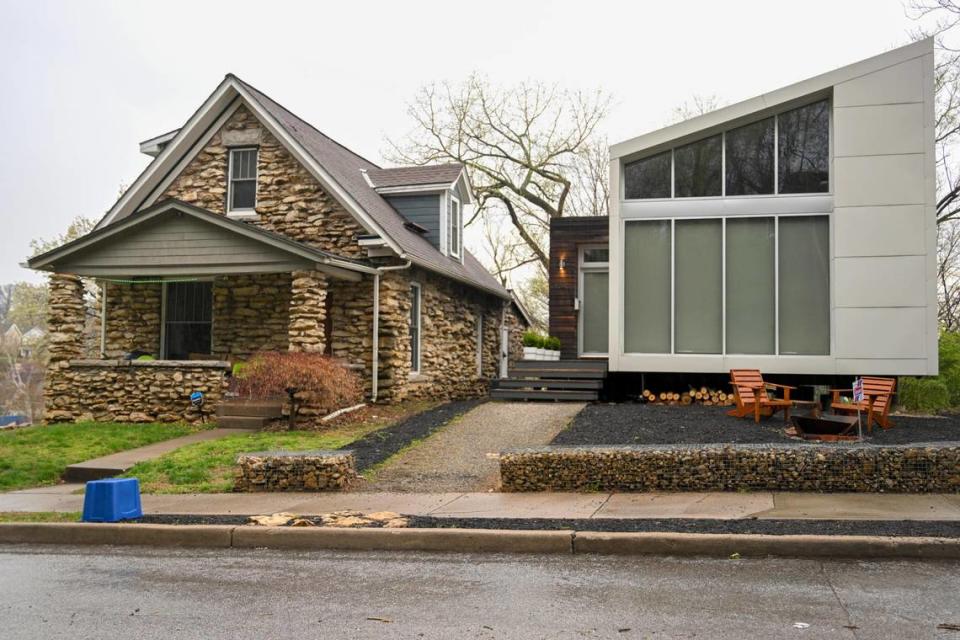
x,y
91,592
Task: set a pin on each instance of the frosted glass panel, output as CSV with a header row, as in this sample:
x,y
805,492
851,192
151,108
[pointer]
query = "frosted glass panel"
x,y
698,256
646,287
750,285
595,308
804,245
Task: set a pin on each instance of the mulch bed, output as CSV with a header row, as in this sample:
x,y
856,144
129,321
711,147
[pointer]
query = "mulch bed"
x,y
632,423
377,446
908,528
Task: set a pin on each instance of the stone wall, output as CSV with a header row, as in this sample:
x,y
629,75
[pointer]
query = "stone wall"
x,y
250,314
921,468
133,318
289,200
124,391
295,471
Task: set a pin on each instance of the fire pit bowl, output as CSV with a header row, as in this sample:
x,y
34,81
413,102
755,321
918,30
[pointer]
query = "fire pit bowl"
x,y
826,428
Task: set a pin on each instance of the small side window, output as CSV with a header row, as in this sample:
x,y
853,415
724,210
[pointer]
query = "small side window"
x,y
456,226
242,190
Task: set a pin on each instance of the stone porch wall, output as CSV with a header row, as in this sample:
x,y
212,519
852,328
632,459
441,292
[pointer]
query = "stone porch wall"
x,y
124,391
250,314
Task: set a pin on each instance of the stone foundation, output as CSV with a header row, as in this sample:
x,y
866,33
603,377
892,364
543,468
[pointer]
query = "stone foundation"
x,y
138,391
920,468
295,471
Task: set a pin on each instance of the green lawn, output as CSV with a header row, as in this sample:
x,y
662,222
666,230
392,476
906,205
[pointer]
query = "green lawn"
x,y
35,456
208,467
39,516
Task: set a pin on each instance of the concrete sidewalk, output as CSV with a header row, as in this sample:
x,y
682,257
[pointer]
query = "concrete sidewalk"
x,y
723,506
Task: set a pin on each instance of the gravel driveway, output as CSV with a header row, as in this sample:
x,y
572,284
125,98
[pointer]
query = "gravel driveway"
x,y
455,458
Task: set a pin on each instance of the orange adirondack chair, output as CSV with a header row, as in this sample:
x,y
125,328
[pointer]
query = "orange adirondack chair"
x,y
878,396
750,394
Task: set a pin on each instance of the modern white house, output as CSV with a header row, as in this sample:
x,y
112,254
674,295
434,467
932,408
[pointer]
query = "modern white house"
x,y
794,232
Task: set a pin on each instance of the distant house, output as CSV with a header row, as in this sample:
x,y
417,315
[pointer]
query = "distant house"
x,y
251,230
794,232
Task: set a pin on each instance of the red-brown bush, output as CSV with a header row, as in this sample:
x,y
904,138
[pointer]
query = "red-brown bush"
x,y
322,383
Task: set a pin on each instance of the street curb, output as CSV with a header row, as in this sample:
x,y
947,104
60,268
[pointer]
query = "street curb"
x,y
159,535
481,541
456,540
809,546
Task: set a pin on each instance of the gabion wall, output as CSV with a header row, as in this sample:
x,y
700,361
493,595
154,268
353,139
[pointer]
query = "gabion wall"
x,y
858,467
295,471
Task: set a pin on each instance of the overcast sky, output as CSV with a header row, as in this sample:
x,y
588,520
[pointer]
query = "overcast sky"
x,y
84,82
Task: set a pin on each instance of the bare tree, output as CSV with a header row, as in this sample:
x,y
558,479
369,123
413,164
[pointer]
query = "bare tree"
x,y
524,147
697,105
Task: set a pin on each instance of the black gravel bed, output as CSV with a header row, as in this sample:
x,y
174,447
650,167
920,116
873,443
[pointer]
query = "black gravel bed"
x,y
898,528
377,446
634,423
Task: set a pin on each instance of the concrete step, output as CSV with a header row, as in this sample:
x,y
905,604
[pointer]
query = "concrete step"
x,y
242,422
537,394
251,408
541,383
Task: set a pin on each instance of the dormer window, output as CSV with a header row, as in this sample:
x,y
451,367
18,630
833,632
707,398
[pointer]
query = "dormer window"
x,y
456,226
242,188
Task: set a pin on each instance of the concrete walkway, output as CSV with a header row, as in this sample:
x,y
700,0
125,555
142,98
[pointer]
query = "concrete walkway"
x,y
461,456
117,463
722,506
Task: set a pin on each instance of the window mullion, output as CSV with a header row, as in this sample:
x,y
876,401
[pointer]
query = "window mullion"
x,y
673,281
776,285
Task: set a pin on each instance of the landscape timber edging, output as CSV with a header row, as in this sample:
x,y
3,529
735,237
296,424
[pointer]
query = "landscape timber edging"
x,y
479,540
864,468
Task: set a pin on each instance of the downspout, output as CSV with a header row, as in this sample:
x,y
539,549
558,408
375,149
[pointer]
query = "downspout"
x,y
375,362
103,320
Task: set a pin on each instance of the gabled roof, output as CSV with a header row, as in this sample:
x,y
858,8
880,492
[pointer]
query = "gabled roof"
x,y
437,174
249,248
746,109
338,169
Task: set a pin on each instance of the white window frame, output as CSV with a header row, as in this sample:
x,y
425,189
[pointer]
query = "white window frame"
x,y
245,212
416,293
776,291
451,200
588,267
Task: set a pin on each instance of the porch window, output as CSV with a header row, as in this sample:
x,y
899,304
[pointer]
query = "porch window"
x,y
414,328
187,319
242,190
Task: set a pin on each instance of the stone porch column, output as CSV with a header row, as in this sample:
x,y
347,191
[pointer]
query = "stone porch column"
x,y
66,316
308,311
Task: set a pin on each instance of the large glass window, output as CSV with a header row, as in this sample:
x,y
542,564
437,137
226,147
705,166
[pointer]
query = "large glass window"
x,y
674,287
242,190
188,317
804,256
698,287
751,283
749,159
648,178
646,295
698,169
804,149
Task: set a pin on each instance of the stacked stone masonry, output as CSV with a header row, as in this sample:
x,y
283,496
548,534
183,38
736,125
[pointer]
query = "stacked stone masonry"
x,y
124,391
918,468
295,471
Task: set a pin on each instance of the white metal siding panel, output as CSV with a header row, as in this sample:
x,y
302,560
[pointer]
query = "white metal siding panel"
x,y
857,128
878,180
900,83
880,282
880,231
880,333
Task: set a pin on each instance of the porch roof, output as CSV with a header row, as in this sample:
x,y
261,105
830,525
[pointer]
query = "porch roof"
x,y
174,238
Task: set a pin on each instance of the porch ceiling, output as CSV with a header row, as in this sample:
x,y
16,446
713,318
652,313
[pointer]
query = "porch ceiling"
x,y
177,239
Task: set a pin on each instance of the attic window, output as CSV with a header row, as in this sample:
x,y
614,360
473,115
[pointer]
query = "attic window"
x,y
242,190
456,226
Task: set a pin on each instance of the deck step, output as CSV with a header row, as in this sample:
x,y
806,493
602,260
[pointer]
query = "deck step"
x,y
251,408
562,364
242,422
546,383
558,373
548,395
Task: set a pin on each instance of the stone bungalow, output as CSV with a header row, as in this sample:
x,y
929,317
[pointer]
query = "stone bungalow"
x,y
251,230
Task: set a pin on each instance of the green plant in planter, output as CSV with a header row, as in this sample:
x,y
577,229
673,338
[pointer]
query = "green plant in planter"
x,y
552,343
533,340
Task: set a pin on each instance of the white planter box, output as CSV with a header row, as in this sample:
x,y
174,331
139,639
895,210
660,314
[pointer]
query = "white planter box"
x,y
550,354
534,353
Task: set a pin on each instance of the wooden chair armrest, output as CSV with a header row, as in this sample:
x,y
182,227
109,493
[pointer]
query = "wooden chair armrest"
x,y
781,386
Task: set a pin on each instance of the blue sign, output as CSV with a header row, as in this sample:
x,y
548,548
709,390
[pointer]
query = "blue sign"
x,y
196,398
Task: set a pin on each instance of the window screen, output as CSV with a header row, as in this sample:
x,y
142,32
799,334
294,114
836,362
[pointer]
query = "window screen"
x,y
187,319
243,179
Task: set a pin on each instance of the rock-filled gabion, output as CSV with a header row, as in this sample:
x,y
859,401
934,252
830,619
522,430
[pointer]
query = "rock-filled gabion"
x,y
919,468
318,470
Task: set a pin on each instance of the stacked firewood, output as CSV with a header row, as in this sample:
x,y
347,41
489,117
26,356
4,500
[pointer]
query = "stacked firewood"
x,y
703,396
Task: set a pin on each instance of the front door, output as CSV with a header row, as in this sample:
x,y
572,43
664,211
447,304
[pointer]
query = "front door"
x,y
594,298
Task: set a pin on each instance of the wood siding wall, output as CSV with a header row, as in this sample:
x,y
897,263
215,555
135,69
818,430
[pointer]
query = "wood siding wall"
x,y
566,236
